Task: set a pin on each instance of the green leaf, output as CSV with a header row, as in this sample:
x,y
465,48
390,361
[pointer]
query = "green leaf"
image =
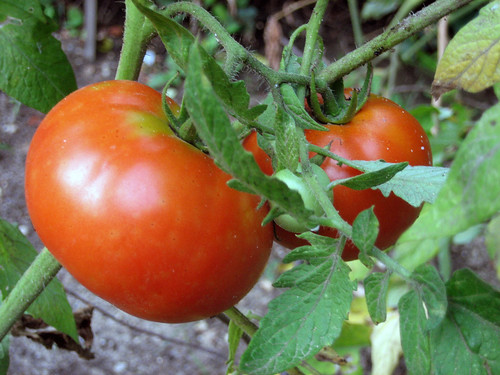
x,y
421,310
234,333
33,67
287,141
470,196
414,340
432,292
296,108
16,254
376,286
470,61
303,319
468,340
414,184
4,355
373,178
178,42
322,247
364,234
214,128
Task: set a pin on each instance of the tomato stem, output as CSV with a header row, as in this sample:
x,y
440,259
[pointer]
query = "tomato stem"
x,y
331,155
138,32
43,269
241,321
390,38
235,50
390,263
311,40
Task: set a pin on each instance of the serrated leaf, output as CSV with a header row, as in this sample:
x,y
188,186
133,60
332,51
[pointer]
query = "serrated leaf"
x,y
33,67
297,110
266,119
321,247
432,292
238,185
364,234
16,254
470,196
214,128
374,178
468,340
470,61
287,141
178,42
303,319
234,334
308,253
376,287
414,184
414,339
386,346
421,310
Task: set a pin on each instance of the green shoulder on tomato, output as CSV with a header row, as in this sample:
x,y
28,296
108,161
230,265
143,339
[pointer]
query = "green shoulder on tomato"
x,y
141,218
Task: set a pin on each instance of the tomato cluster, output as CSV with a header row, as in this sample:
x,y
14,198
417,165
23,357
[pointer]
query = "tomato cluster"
x,y
147,221
138,216
380,130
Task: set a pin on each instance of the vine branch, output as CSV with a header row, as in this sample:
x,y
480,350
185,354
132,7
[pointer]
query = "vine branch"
x,y
390,38
43,269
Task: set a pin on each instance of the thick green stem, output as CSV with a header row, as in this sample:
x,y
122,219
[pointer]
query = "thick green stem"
x,y
384,42
391,264
233,48
241,321
43,269
323,152
138,33
312,35
311,39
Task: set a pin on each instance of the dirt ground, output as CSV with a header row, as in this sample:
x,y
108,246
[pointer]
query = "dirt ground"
x,y
123,344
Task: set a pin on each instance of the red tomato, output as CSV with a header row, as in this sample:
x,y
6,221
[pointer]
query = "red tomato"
x,y
138,216
380,130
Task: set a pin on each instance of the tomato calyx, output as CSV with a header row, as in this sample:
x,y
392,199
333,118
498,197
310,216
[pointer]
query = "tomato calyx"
x,y
336,105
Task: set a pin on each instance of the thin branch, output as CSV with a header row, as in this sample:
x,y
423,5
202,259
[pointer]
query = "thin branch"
x,y
387,40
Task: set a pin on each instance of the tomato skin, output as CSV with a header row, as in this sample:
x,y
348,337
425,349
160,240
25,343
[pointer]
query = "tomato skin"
x,y
380,130
138,216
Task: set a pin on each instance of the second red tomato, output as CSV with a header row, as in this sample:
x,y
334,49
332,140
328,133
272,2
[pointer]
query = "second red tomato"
x,y
380,130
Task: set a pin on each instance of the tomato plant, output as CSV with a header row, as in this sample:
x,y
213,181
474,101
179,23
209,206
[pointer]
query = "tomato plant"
x,y
380,130
138,216
164,220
